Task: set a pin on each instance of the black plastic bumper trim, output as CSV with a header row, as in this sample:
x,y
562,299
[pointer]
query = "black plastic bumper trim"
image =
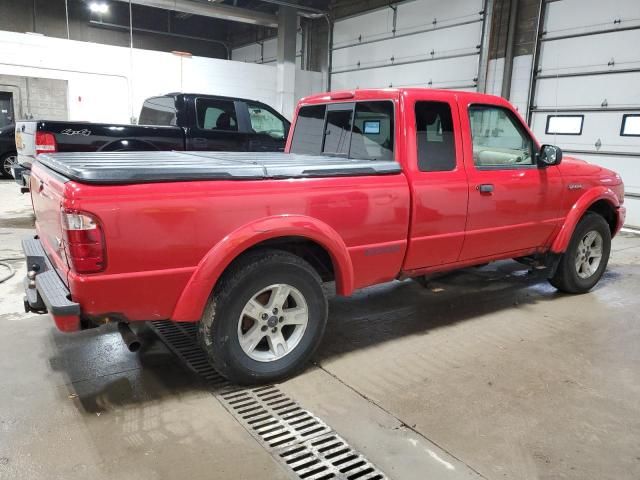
x,y
50,289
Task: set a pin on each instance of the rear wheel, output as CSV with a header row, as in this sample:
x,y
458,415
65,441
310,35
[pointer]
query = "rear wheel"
x,y
7,161
584,262
265,319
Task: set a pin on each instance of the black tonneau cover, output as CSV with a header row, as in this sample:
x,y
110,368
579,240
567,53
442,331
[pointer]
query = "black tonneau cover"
x,y
145,167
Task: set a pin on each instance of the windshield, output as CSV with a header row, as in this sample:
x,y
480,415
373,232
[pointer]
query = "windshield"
x,y
361,130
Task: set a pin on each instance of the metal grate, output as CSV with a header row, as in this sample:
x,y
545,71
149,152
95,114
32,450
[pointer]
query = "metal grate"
x,y
299,440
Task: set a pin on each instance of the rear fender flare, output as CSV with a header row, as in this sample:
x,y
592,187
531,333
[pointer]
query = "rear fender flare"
x,y
561,242
194,297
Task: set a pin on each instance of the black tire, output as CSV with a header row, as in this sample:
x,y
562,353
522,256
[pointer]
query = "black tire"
x,y
566,277
5,164
251,274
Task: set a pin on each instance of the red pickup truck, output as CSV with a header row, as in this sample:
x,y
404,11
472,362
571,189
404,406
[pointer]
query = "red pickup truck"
x,y
375,185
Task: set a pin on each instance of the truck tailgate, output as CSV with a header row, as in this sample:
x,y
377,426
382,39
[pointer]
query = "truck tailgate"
x,y
47,191
26,142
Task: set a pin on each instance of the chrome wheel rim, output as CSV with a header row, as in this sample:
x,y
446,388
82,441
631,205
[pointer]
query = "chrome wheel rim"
x,y
273,322
589,254
9,162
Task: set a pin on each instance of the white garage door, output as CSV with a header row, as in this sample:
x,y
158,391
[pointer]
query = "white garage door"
x,y
587,95
427,43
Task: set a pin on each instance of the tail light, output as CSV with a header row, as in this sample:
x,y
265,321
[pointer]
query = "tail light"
x,y
45,143
83,242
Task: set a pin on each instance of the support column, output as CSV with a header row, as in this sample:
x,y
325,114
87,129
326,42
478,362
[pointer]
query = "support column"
x,y
286,73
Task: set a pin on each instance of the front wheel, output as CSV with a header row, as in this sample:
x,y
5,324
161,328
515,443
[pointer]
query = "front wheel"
x,y
586,258
265,319
7,161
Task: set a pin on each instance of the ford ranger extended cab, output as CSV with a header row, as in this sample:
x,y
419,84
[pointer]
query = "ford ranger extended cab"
x,y
375,185
176,121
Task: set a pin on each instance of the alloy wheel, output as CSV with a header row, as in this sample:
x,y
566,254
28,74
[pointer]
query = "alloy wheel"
x,y
273,322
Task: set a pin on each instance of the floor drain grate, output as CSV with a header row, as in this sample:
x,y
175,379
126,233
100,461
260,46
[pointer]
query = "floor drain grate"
x,y
302,442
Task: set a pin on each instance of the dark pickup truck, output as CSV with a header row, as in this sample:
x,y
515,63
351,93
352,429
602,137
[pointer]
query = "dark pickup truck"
x,y
176,121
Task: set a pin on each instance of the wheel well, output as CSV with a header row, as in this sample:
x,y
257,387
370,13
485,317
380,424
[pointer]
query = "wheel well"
x,y
313,253
607,211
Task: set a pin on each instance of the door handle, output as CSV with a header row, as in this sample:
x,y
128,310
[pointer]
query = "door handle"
x,y
485,188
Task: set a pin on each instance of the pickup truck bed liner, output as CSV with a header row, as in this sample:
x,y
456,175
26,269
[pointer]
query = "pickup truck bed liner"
x,y
142,167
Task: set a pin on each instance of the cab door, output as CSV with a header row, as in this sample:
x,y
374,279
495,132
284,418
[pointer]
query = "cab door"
x,y
514,205
216,127
266,130
438,182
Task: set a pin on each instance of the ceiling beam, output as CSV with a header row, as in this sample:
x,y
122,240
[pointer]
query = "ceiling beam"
x,y
214,10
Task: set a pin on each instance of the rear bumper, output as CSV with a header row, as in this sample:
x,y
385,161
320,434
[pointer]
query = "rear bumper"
x,y
45,291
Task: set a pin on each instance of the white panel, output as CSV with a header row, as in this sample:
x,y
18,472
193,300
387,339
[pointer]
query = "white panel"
x,y
441,73
590,53
495,73
248,53
633,212
253,52
603,126
369,26
106,86
520,80
585,54
619,89
457,40
308,83
270,51
420,14
575,16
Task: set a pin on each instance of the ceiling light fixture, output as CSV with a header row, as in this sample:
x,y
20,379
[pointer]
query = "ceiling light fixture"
x,y
99,7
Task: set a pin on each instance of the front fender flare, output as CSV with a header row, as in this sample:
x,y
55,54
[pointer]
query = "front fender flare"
x,y
194,297
561,242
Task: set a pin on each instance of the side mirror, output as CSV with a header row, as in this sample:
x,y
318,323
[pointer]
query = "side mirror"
x,y
549,155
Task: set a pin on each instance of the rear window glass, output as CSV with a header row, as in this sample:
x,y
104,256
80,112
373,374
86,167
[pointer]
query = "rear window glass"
x,y
309,130
362,130
158,111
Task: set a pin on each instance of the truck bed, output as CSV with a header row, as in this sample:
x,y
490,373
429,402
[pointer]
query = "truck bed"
x,y
111,168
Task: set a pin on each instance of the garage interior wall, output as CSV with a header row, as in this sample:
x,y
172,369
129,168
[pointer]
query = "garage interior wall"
x,y
109,84
588,72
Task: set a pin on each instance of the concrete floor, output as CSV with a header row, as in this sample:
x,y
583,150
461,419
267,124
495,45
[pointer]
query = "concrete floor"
x,y
489,373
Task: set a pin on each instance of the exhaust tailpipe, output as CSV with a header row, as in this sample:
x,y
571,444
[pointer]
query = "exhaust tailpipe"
x,y
130,339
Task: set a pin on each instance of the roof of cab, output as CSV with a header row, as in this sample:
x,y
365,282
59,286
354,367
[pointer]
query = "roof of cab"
x,y
394,93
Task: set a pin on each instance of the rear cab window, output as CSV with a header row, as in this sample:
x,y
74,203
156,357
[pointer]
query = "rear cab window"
x,y
159,111
362,130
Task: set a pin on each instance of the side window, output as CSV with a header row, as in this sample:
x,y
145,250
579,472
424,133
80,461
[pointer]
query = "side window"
x,y
158,111
435,141
630,125
217,115
307,136
265,121
372,137
498,138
